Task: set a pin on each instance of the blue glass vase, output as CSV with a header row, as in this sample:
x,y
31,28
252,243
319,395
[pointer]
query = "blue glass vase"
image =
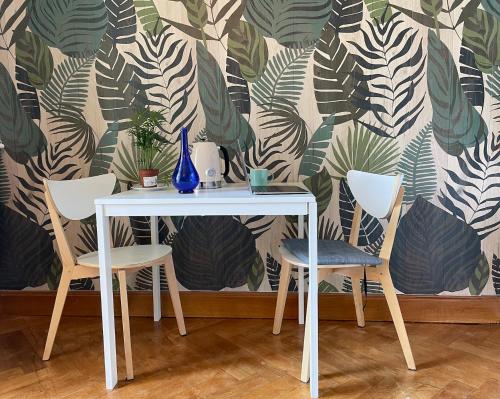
x,y
185,177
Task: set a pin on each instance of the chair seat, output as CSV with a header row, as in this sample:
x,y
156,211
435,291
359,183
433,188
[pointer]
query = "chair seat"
x,y
128,257
330,252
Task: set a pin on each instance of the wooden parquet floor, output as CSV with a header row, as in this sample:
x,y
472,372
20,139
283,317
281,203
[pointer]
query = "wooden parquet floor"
x,y
242,359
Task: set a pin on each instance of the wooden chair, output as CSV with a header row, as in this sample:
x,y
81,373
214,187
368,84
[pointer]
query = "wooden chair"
x,y
380,196
74,200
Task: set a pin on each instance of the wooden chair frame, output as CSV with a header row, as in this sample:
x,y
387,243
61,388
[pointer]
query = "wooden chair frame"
x,y
378,273
71,270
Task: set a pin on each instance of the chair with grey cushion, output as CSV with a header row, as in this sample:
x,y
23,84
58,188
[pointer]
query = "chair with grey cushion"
x,y
381,197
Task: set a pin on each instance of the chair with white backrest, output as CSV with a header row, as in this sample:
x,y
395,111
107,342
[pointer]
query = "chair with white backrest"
x,y
381,197
74,200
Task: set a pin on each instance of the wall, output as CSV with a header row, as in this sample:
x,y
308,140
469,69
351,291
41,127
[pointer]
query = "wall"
x,y
312,88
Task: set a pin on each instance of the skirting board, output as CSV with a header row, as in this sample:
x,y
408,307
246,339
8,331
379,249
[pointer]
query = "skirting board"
x,y
415,308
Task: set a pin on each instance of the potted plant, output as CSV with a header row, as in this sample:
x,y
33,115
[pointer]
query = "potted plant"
x,y
146,125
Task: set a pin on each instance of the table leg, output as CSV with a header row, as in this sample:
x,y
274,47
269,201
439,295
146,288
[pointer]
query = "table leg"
x,y
301,274
106,283
155,272
313,298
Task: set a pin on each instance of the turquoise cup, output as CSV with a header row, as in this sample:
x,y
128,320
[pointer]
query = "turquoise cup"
x,y
259,177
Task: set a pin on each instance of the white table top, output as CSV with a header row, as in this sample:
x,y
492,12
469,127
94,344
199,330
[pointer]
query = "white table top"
x,y
229,194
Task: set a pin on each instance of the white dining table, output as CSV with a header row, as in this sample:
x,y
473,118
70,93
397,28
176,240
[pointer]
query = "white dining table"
x,y
231,199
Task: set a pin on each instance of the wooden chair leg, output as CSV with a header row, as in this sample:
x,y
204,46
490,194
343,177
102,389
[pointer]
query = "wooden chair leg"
x,y
62,292
356,279
174,295
282,294
397,317
122,278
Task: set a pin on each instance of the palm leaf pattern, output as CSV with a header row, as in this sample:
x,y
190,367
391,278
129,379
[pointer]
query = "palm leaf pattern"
x,y
495,273
122,23
347,15
119,89
56,163
471,78
167,65
364,151
28,96
335,78
378,8
394,58
237,86
283,78
476,199
149,16
14,25
493,89
4,182
287,124
272,18
418,167
316,149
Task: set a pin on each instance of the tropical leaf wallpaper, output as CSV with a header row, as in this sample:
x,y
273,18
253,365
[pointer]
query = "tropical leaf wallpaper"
x,y
310,89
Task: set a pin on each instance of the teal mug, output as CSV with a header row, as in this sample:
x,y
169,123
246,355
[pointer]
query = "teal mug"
x,y
259,177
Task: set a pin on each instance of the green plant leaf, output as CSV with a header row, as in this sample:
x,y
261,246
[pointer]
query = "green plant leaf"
x,y
148,15
285,120
321,186
418,167
67,90
273,269
283,78
455,122
364,151
492,6
16,22
392,95
122,21
480,276
431,7
224,124
421,18
249,48
26,251
377,8
256,273
196,12
481,34
495,273
433,251
224,256
73,26
4,182
35,57
119,89
326,287
237,86
347,15
334,81
20,135
272,18
316,149
164,161
27,94
103,158
472,188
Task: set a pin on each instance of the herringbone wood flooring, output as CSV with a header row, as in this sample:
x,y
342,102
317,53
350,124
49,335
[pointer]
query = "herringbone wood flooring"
x,y
242,359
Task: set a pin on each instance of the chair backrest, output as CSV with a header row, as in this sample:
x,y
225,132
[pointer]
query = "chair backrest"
x,y
380,196
74,200
375,193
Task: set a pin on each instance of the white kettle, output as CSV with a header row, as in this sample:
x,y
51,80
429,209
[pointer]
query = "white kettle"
x,y
206,160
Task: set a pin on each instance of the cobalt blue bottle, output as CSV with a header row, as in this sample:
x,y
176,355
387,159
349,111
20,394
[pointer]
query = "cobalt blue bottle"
x,y
185,177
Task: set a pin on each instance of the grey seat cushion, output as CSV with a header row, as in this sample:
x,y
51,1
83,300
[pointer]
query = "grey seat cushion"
x,y
331,252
